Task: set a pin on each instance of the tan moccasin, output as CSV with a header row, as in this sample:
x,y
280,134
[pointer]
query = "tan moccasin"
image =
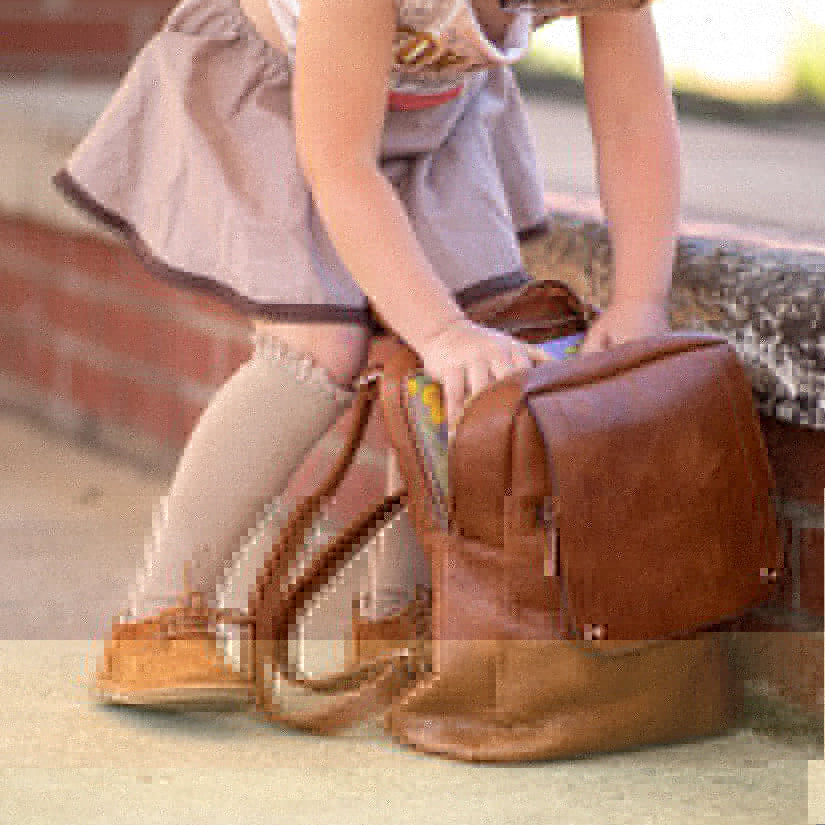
x,y
171,658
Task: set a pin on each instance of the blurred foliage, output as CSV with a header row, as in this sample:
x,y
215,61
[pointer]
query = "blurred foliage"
x,y
803,80
807,64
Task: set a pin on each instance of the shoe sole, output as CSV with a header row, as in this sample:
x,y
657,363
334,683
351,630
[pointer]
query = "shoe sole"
x,y
191,695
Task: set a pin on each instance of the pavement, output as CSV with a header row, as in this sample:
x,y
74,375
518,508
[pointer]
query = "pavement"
x,y
765,177
73,524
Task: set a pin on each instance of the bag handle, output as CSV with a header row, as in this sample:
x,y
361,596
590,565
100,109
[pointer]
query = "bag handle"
x,y
370,686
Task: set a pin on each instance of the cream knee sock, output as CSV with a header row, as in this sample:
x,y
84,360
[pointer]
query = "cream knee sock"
x,y
255,432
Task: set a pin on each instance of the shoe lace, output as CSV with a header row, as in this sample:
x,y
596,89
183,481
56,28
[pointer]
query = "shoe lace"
x,y
190,618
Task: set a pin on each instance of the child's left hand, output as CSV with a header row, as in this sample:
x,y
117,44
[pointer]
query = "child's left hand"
x,y
626,320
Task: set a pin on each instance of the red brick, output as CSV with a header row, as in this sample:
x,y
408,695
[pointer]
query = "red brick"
x,y
132,274
113,262
42,364
172,294
34,240
92,389
797,457
127,332
239,350
9,230
17,293
71,312
29,358
23,10
171,345
122,6
191,353
88,254
790,663
79,67
65,37
132,333
811,570
147,408
63,251
154,411
202,301
14,342
80,9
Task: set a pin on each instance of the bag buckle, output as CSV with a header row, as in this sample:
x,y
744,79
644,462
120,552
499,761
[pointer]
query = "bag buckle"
x,y
549,510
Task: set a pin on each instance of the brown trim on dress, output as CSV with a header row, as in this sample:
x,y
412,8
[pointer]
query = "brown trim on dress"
x,y
79,197
540,228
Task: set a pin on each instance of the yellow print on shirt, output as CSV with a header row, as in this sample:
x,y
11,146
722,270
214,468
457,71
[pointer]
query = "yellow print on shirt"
x,y
420,48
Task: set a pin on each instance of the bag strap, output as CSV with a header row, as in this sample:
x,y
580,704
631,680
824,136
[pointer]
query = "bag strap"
x,y
366,687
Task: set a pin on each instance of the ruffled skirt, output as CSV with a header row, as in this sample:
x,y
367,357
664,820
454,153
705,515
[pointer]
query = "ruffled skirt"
x,y
193,163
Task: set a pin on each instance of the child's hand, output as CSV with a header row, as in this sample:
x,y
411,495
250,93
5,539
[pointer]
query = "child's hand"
x,y
465,357
626,320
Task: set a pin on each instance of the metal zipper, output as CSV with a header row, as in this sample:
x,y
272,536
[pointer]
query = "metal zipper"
x,y
550,515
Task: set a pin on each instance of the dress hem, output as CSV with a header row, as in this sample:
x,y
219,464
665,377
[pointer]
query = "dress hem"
x,y
79,197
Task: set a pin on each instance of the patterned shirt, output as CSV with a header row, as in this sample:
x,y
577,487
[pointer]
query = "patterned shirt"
x,y
436,43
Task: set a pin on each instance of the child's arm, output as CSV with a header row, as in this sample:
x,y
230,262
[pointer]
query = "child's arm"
x,y
636,141
343,58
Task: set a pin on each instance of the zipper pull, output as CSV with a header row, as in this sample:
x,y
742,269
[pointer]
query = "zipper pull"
x,y
551,520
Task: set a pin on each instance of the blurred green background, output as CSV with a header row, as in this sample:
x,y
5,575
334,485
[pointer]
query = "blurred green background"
x,y
755,53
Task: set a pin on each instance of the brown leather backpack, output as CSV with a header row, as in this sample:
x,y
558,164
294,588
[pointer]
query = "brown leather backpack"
x,y
609,514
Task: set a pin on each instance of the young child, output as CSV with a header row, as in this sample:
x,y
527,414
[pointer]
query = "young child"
x,y
368,169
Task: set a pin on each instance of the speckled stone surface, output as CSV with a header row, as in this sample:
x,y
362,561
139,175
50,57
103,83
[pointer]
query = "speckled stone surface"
x,y
769,303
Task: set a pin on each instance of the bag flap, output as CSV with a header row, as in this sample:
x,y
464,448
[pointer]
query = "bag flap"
x,y
665,518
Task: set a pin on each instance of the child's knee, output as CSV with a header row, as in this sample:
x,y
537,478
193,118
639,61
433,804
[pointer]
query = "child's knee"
x,y
339,350
300,364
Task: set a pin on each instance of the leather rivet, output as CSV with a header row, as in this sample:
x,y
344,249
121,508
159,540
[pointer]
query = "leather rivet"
x,y
768,574
595,632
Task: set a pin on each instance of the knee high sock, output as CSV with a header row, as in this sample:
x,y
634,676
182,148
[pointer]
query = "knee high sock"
x,y
255,432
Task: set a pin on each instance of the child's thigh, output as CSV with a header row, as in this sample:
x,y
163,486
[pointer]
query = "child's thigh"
x,y
341,349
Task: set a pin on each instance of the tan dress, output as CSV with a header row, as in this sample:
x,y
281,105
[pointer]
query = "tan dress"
x,y
193,161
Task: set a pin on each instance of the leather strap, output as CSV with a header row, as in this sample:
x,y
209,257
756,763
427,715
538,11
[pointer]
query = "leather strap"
x,y
371,686
372,695
285,551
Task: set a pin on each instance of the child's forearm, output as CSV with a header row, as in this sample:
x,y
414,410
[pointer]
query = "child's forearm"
x,y
370,229
640,194
636,137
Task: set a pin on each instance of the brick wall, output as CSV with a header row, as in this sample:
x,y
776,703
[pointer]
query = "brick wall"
x,y
75,38
93,344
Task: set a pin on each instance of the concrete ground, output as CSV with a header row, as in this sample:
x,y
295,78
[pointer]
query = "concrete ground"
x,y
72,528
766,179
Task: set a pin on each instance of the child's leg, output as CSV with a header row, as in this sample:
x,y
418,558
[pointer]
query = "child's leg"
x,y
397,564
253,435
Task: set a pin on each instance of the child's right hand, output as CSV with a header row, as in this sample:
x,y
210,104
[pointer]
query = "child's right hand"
x,y
466,357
